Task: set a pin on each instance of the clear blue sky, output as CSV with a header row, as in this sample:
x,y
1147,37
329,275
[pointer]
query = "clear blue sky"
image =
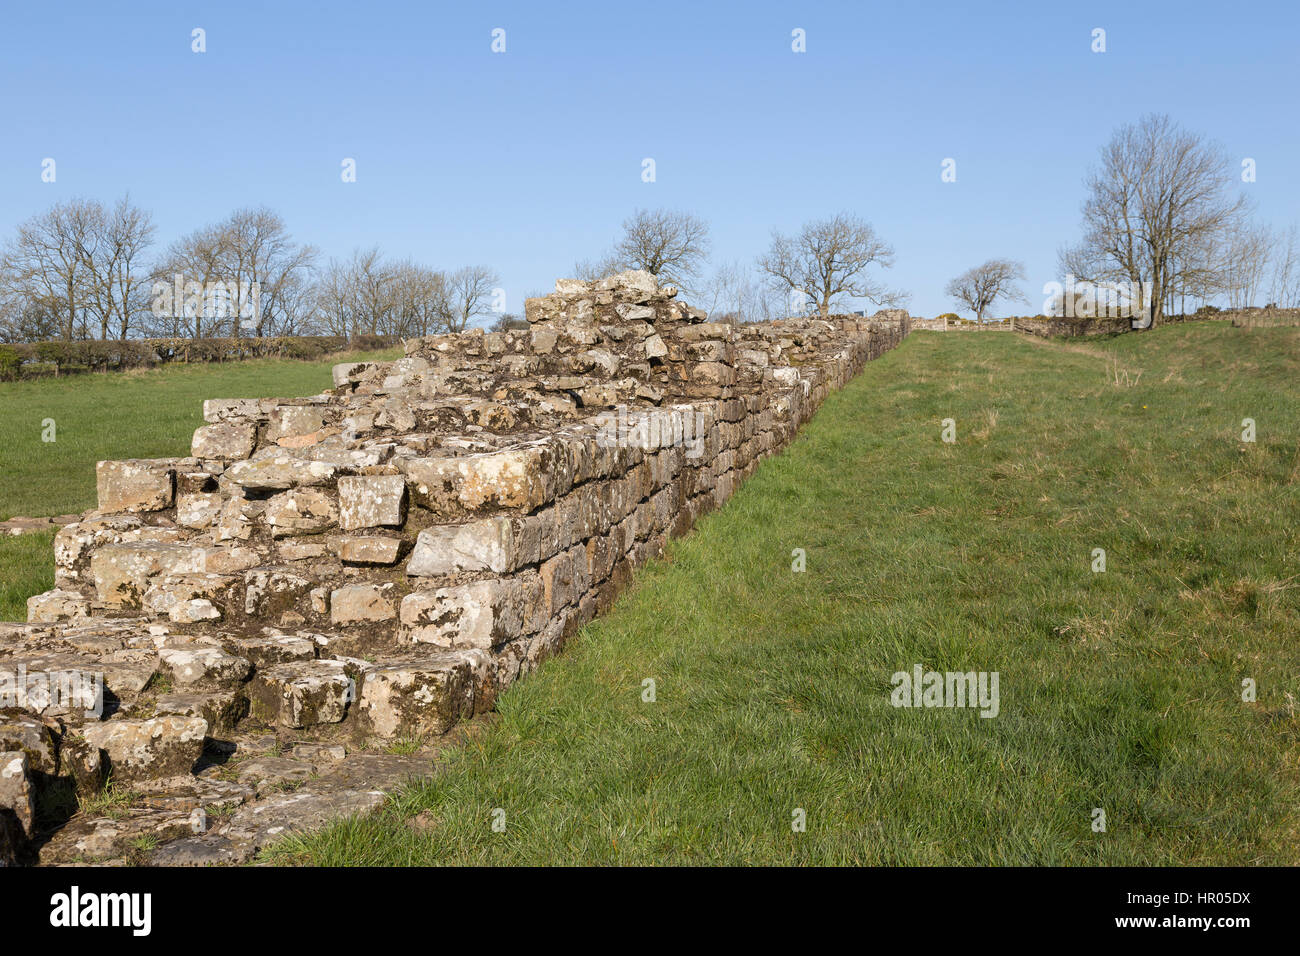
x,y
529,160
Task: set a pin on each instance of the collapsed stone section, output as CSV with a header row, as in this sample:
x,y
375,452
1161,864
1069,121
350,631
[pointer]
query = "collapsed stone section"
x,y
383,559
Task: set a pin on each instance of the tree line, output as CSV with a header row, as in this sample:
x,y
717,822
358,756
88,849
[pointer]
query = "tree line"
x,y
82,270
821,268
1162,224
1165,226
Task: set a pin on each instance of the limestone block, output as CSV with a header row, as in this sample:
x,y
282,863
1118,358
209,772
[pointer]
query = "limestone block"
x,y
301,694
134,485
427,695
57,605
368,549
228,441
485,545
148,749
372,501
358,603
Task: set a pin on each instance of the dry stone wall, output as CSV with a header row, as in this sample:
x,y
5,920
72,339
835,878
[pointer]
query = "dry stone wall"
x,y
380,561
1056,327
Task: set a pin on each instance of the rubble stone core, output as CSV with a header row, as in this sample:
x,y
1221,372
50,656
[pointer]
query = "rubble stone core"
x,y
380,561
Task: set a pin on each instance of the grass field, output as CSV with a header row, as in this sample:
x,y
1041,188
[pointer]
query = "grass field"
x,y
1119,690
148,414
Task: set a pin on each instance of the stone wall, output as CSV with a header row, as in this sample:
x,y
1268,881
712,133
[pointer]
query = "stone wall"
x,y
929,325
1050,327
1261,318
382,560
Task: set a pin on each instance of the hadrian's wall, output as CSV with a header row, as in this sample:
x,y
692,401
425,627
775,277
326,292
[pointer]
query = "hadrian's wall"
x,y
1050,327
382,560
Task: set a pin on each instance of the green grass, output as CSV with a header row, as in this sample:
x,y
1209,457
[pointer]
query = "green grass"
x,y
26,568
149,414
1119,690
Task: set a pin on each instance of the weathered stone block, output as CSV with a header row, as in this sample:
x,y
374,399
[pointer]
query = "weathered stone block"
x,y
227,441
359,603
295,426
300,511
273,649
224,409
368,549
134,485
301,694
17,803
33,737
197,665
427,695
346,372
557,575
221,709
486,545
525,478
122,572
484,614
280,473
372,501
198,511
193,611
57,605
148,749
167,594
268,593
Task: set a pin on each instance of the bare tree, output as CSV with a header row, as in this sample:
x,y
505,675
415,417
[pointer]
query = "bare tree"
x,y
183,279
24,319
506,322
49,261
294,312
828,262
670,245
1157,201
244,273
259,255
590,270
119,282
736,293
370,279
468,292
1244,257
368,295
978,288
334,300
1284,289
419,303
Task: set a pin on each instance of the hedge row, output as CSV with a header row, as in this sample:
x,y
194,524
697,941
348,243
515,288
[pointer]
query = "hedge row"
x,y
100,356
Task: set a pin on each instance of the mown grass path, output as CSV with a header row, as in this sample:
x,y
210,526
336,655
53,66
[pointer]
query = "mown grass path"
x,y
138,414
1119,690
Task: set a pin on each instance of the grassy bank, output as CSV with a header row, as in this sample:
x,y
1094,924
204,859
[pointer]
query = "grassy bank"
x,y
1119,691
